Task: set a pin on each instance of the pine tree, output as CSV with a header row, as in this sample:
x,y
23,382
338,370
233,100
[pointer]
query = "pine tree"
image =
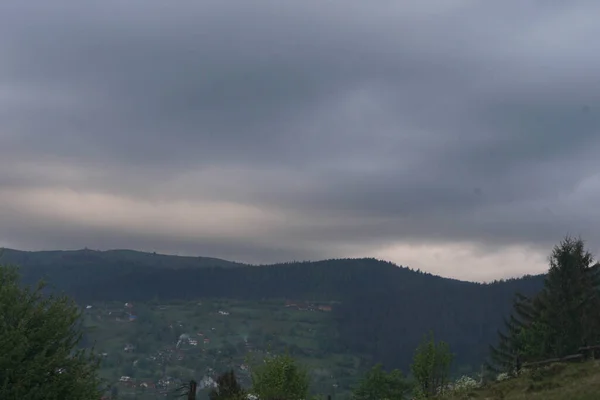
x,y
510,341
561,318
571,298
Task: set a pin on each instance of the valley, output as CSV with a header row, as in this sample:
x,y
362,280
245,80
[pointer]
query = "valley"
x,y
160,320
150,349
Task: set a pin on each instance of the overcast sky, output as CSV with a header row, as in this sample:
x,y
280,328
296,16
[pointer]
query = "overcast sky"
x,y
459,137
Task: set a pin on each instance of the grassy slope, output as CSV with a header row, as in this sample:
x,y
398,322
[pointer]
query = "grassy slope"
x,y
556,382
249,321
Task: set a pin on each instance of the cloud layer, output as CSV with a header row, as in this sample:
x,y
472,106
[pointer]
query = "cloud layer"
x,y
268,131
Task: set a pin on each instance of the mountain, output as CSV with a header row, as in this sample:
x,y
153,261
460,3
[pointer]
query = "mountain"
x,y
66,268
383,312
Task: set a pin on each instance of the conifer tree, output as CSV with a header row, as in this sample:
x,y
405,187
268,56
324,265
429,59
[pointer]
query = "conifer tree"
x,y
571,298
510,341
561,318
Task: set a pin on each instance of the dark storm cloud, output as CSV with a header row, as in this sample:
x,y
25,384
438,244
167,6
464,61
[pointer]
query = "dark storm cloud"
x,y
362,123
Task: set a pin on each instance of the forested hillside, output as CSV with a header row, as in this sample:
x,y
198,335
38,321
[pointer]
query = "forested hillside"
x,y
383,313
67,269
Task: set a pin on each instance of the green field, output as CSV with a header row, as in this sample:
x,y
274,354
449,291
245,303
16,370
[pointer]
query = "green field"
x,y
167,344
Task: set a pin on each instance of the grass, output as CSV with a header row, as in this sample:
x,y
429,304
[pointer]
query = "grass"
x,y
560,381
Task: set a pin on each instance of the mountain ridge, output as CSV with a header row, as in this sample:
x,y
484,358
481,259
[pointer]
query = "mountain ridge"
x,y
21,257
383,312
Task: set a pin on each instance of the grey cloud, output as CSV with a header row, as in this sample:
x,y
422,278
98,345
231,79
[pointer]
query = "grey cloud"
x,y
428,121
232,81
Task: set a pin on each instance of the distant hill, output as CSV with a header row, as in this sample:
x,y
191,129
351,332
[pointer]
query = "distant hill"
x,y
64,268
384,309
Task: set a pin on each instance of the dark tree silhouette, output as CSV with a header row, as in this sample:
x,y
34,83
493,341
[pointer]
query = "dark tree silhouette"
x,y
227,388
561,318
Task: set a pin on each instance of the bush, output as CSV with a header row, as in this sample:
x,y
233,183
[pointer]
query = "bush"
x,y
465,383
39,340
280,377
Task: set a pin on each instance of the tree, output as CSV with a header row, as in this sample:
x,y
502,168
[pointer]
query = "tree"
x,y
534,340
39,338
431,365
227,388
280,377
525,335
561,318
379,385
571,298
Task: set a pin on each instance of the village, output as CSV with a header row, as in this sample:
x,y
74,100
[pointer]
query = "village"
x,y
149,350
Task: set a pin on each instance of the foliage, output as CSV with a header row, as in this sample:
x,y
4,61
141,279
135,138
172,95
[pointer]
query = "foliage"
x,y
39,337
523,335
561,318
571,298
379,385
431,365
227,388
534,339
280,377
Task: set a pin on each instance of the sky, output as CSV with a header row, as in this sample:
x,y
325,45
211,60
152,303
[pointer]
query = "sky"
x,y
457,137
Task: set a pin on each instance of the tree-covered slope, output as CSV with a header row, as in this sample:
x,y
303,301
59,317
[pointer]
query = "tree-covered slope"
x,y
68,269
383,312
